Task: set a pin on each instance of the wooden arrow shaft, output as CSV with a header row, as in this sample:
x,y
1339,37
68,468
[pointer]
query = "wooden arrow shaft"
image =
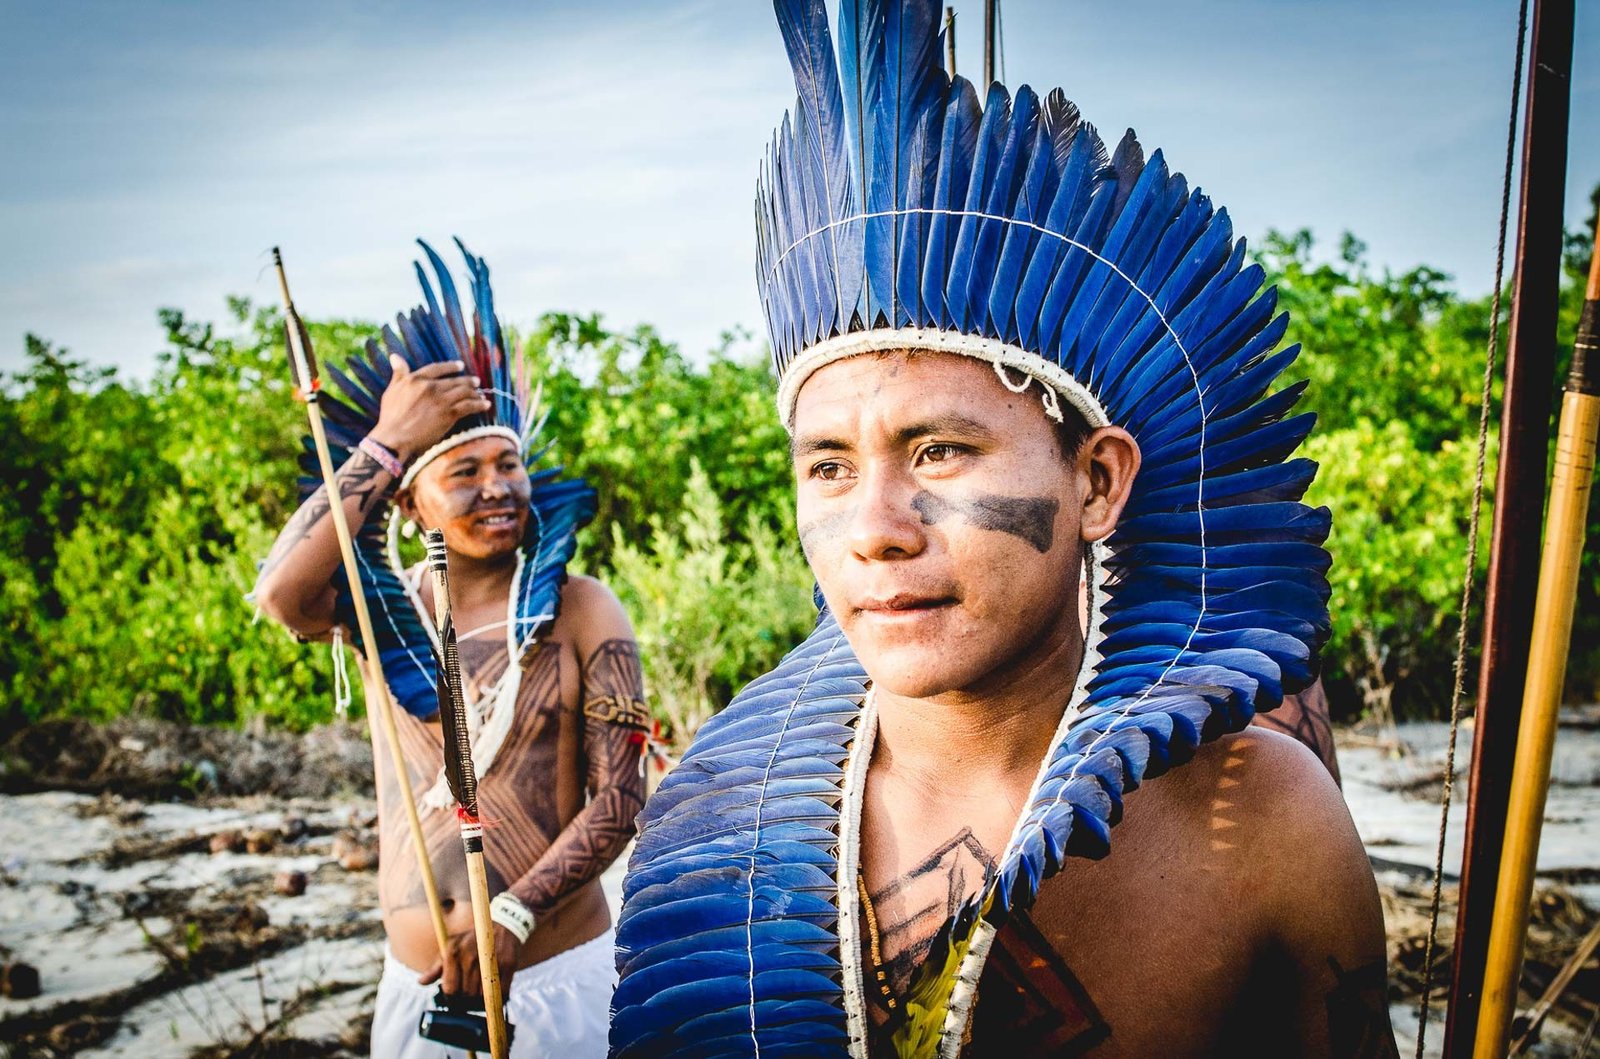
x,y
377,688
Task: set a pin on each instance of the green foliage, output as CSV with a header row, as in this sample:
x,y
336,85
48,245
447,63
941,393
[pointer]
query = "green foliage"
x,y
132,516
1395,364
711,612
1382,347
629,413
1399,541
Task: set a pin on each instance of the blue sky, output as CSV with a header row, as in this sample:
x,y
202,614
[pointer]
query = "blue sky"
x,y
603,156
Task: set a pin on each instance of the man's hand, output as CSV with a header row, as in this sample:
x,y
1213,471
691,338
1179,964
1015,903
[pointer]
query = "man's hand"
x,y
459,974
419,407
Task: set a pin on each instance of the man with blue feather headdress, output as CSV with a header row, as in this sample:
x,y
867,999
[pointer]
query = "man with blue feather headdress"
x,y
1006,798
436,427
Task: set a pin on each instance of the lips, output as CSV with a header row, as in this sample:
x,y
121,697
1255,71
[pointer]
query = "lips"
x,y
904,603
495,520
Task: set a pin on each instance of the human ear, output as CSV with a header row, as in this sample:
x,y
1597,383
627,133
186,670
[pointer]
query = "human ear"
x,y
405,500
1107,461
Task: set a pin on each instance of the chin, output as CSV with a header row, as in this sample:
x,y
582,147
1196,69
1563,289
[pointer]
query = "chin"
x,y
920,671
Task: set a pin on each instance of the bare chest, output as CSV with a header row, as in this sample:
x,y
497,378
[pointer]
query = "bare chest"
x,y
1149,951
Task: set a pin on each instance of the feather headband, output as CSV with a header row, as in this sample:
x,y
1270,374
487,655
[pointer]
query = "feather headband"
x,y
895,211
431,333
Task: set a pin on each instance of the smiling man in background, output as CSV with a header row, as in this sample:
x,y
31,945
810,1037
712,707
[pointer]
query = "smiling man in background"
x,y
443,425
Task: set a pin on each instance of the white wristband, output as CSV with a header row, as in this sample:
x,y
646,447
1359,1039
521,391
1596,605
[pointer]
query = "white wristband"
x,y
512,914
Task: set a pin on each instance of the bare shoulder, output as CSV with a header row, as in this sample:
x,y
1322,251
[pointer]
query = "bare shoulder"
x,y
1264,803
1280,778
583,596
591,614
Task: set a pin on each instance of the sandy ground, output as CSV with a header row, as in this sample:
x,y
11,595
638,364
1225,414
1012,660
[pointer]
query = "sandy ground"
x,y
148,943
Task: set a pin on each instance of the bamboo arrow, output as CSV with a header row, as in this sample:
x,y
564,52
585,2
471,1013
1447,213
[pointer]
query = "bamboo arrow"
x,y
1547,667
308,386
462,777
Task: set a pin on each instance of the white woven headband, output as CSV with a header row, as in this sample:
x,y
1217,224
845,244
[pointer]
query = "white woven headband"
x,y
1056,383
451,442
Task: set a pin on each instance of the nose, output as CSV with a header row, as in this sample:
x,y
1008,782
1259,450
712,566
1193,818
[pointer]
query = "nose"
x,y
885,525
496,486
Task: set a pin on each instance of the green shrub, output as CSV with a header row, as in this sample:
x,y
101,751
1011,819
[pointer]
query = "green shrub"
x,y
1399,546
711,612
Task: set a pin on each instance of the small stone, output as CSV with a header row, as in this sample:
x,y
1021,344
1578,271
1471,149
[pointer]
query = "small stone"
x,y
247,918
70,1038
362,858
18,980
290,883
259,840
293,827
229,841
343,842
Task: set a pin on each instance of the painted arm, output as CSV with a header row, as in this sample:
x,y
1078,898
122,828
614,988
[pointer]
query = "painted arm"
x,y
615,721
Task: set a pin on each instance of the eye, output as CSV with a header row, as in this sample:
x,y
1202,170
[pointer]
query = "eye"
x,y
830,471
940,452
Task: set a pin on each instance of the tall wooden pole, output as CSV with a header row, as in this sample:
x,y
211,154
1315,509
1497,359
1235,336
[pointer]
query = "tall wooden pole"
x,y
988,45
1518,504
304,365
1565,527
463,780
950,41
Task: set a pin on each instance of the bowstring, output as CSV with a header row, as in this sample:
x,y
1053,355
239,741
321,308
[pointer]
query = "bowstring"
x,y
1468,578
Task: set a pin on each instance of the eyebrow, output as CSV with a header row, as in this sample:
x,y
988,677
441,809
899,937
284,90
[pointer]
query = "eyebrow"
x,y
951,423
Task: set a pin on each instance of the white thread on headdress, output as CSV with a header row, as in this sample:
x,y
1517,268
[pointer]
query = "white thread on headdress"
x,y
1005,380
342,695
849,866
451,442
1052,401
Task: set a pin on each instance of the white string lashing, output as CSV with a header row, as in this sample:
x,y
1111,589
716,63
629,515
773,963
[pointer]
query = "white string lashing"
x,y
1052,402
342,693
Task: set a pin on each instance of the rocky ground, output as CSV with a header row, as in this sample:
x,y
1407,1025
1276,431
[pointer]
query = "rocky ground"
x,y
184,892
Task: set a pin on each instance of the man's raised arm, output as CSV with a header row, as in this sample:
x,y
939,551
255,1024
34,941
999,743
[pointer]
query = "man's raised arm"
x,y
418,408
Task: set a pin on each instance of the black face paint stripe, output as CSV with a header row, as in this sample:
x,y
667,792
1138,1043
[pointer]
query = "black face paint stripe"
x,y
825,529
1031,518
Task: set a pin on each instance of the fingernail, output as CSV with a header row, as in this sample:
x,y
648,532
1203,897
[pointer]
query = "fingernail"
x,y
475,381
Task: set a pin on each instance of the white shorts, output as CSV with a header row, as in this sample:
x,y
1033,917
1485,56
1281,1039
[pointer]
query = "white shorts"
x,y
560,1007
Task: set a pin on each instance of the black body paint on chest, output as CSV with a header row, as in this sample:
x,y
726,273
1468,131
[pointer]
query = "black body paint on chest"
x,y
1032,518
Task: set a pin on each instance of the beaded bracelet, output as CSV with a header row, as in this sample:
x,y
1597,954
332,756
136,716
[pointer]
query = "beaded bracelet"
x,y
383,456
512,914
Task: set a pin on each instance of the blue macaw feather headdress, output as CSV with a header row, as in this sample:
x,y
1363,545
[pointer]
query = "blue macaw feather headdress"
x,y
559,507
895,212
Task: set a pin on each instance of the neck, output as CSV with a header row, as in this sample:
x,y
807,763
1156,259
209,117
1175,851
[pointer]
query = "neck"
x,y
996,732
480,582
